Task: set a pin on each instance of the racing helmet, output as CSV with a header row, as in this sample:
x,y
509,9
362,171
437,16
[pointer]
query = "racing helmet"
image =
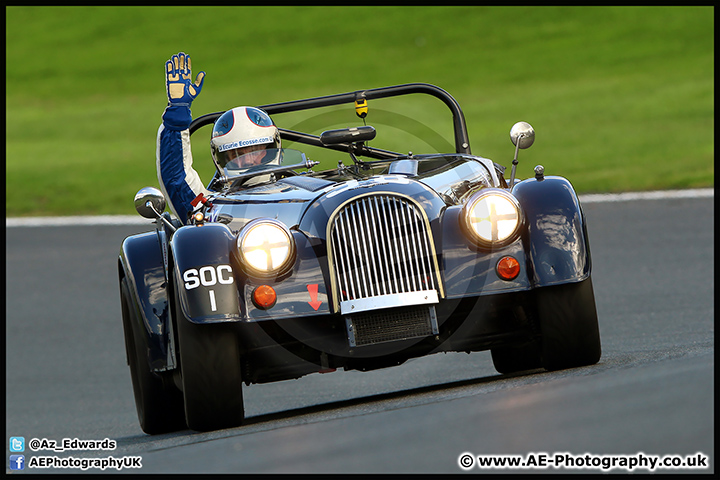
x,y
243,130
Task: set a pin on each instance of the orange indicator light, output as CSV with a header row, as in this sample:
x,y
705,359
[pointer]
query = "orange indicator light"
x,y
508,268
264,296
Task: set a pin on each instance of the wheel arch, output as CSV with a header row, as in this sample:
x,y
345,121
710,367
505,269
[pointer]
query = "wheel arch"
x,y
197,248
140,262
555,235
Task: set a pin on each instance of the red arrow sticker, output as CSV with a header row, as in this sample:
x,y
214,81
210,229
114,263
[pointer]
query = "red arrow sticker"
x,y
313,291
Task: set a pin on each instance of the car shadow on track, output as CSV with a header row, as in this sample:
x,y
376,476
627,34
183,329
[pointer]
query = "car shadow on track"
x,y
337,409
377,402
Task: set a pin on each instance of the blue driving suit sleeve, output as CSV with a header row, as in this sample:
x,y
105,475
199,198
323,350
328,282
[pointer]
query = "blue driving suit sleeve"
x,y
178,180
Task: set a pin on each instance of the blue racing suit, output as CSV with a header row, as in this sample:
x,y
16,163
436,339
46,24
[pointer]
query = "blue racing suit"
x,y
179,182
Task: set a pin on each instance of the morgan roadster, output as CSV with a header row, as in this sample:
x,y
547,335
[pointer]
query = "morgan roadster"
x,y
284,271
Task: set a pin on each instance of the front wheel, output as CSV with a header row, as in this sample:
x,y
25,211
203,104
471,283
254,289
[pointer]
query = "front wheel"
x,y
210,364
568,325
159,407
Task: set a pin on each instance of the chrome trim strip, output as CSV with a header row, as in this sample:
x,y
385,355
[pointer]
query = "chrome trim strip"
x,y
387,301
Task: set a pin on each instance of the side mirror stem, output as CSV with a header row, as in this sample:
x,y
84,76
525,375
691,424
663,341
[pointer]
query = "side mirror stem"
x,y
149,205
514,166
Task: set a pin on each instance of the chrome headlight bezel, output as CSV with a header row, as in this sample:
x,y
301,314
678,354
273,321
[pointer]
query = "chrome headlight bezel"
x,y
277,259
504,227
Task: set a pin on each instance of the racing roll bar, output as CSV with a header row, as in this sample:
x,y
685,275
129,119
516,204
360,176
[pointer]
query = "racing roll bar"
x,y
462,142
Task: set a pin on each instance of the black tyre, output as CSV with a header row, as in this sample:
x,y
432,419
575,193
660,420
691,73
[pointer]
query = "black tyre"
x,y
568,325
159,408
211,369
516,359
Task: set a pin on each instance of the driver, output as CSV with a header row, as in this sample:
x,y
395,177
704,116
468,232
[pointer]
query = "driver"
x,y
241,138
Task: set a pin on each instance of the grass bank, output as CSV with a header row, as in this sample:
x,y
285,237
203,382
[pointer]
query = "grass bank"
x,y
621,98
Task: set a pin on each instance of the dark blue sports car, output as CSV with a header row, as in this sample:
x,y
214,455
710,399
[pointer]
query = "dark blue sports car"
x,y
284,271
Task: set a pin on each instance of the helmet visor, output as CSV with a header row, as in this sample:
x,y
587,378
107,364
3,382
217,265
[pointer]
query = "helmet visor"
x,y
235,155
238,160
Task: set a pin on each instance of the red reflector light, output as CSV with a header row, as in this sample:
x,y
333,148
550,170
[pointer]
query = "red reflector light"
x,y
508,268
264,296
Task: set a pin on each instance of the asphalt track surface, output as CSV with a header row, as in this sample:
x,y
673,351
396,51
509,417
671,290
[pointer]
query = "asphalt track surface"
x,y
650,395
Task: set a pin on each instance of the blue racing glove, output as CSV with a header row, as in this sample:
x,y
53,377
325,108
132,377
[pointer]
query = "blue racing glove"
x,y
181,90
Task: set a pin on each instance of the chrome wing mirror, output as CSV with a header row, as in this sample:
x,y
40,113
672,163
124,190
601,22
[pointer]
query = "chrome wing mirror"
x,y
522,136
150,203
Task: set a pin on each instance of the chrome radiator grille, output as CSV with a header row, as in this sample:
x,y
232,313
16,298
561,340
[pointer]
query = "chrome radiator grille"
x,y
382,254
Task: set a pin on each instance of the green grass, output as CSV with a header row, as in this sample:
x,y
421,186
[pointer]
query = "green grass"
x,y
621,98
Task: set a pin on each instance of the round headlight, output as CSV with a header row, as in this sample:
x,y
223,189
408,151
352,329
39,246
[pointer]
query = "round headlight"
x,y
266,246
492,217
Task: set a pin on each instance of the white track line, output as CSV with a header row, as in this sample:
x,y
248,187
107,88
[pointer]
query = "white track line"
x,y
654,195
138,220
77,221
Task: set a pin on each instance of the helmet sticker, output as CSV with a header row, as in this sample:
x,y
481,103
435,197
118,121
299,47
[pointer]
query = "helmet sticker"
x,y
244,143
258,117
223,124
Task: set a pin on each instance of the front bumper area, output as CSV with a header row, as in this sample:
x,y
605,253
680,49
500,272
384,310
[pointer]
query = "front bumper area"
x,y
291,348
